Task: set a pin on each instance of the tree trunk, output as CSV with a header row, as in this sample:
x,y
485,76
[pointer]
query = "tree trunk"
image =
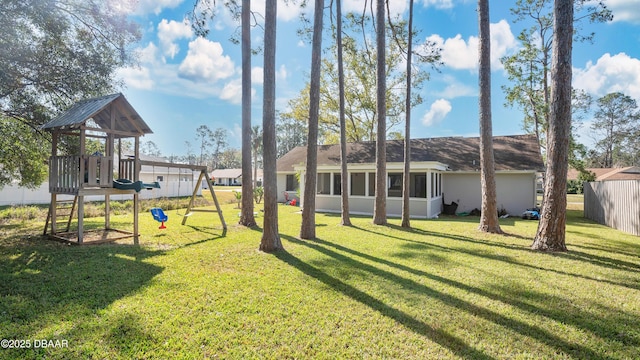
x,y
406,173
308,227
344,175
551,229
489,210
380,206
255,161
270,236
246,214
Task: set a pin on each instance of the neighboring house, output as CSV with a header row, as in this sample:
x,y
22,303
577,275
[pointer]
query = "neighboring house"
x,y
227,177
232,177
602,174
442,170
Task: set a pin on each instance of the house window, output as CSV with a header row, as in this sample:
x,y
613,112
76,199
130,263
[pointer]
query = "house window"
x,y
436,185
324,183
337,184
292,183
395,185
418,186
372,184
357,184
160,178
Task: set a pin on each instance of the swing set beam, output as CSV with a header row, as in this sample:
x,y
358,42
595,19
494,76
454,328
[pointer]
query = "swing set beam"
x,y
203,174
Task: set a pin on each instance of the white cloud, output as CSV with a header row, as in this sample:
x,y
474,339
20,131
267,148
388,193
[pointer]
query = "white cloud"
x,y
456,89
257,76
169,32
232,91
461,54
624,10
395,7
155,6
149,53
136,77
438,4
456,52
282,73
615,73
438,110
502,42
287,11
205,62
161,77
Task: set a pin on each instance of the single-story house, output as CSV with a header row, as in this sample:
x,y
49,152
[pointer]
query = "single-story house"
x,y
232,177
227,177
602,174
444,169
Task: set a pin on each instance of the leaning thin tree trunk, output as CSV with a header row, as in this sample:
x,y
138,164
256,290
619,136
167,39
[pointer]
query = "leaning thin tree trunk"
x,y
380,206
551,229
344,175
489,210
406,180
246,214
255,163
308,227
270,237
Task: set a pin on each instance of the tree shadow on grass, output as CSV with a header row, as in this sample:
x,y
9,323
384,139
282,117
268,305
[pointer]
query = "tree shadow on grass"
x,y
619,247
597,260
215,235
42,281
455,344
602,261
602,327
445,339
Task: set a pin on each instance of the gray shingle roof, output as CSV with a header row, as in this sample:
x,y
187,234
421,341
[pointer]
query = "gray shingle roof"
x,y
516,152
98,109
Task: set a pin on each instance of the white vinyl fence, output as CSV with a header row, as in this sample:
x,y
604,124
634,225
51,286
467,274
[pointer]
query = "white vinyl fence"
x,y
15,195
615,203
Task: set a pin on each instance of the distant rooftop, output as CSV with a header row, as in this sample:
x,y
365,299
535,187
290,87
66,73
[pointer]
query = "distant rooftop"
x,y
626,173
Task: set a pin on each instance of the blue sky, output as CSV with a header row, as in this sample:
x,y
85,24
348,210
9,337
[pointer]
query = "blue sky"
x,y
183,81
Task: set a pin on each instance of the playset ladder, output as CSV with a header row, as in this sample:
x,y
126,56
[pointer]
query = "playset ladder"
x,y
64,210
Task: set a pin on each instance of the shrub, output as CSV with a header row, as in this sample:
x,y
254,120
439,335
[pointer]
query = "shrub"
x,y
258,192
22,213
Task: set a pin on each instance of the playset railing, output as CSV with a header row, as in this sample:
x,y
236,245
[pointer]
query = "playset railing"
x,y
69,173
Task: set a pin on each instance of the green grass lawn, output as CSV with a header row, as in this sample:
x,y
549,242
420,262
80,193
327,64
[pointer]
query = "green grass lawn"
x,y
441,290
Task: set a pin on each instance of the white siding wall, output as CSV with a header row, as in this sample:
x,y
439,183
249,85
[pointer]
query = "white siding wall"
x,y
418,208
516,192
361,205
364,206
14,195
328,203
281,183
436,207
